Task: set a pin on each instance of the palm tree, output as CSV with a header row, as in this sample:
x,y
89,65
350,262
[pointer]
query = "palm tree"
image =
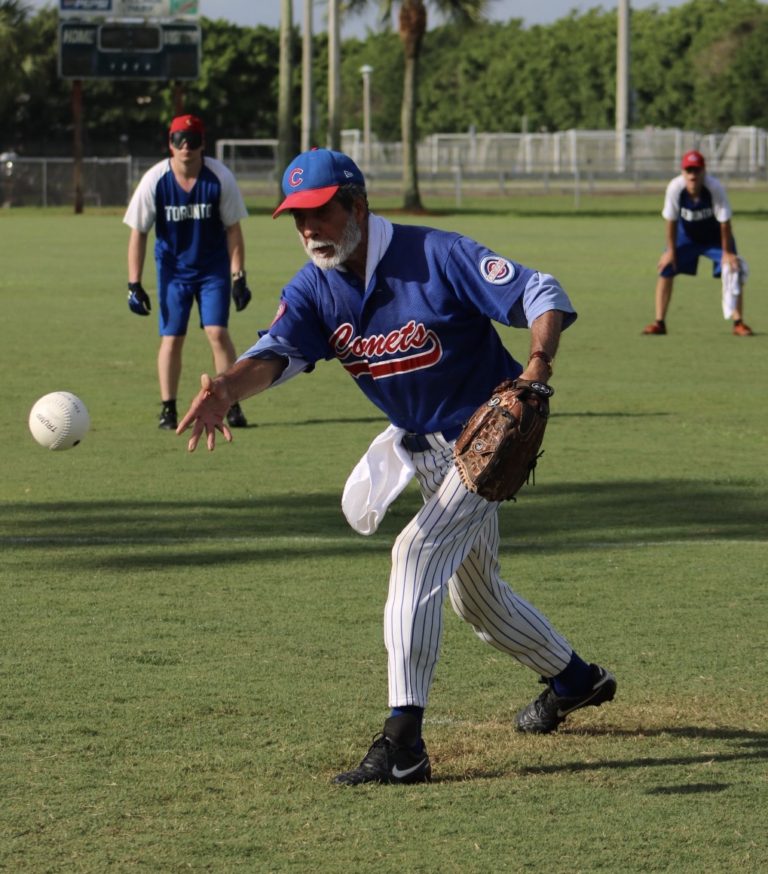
x,y
412,25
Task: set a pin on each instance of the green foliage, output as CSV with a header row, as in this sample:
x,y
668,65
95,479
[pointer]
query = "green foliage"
x,y
702,65
384,53
12,52
730,60
704,68
192,644
237,91
32,98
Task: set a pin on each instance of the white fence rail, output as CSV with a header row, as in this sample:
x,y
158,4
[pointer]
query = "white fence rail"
x,y
648,154
487,163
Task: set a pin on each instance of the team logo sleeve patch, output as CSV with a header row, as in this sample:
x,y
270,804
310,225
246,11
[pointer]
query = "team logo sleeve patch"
x,y
280,313
497,270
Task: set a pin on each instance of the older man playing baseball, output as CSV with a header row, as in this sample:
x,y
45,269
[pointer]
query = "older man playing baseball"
x,y
408,312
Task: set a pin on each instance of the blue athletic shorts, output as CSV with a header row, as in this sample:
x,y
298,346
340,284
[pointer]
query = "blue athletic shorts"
x,y
176,296
688,255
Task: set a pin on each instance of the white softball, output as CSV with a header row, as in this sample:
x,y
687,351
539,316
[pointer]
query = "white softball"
x,y
59,420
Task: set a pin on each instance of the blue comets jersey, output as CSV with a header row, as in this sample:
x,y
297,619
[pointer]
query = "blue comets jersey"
x,y
418,340
698,220
190,226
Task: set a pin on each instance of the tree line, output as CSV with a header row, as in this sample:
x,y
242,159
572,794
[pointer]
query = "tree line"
x,y
702,66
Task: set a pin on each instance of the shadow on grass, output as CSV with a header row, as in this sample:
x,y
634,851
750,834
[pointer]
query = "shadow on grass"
x,y
755,746
688,789
752,746
551,518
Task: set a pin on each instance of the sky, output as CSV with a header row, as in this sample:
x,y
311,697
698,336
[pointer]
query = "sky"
x,y
250,12
253,12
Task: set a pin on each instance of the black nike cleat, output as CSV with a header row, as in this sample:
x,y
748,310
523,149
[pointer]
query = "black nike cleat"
x,y
168,417
388,762
546,712
236,417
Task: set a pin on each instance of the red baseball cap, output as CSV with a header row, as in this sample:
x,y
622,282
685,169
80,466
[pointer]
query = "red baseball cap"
x,y
692,159
190,123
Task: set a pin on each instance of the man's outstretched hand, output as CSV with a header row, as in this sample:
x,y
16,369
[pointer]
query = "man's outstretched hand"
x,y
206,413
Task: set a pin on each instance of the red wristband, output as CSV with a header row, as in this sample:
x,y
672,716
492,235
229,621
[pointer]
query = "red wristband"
x,y
547,359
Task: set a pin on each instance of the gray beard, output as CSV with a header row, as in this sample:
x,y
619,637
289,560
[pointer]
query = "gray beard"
x,y
350,240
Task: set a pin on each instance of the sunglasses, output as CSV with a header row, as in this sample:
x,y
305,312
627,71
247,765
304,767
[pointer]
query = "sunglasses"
x,y
692,169
193,139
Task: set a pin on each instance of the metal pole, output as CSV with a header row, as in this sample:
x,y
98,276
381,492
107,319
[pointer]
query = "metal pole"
x,y
284,104
622,84
77,143
366,71
334,73
307,121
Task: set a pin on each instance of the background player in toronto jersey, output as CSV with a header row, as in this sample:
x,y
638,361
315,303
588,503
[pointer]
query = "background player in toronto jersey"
x,y
407,312
196,207
698,223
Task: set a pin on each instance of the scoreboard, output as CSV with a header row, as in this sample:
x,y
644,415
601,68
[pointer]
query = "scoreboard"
x,y
129,50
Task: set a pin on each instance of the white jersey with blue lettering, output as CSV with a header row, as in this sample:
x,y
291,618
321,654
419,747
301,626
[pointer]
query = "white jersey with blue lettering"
x,y
698,219
190,226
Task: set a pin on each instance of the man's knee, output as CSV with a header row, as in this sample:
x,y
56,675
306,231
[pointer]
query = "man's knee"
x,y
217,334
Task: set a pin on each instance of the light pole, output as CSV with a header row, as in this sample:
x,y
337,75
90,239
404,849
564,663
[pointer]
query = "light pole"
x,y
307,119
366,71
622,84
334,75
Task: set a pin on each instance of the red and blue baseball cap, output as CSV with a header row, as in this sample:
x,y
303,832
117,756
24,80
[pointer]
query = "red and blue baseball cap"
x,y
692,159
313,177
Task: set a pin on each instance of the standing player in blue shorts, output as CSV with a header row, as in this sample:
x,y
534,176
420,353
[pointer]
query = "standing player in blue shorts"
x,y
698,223
408,312
196,207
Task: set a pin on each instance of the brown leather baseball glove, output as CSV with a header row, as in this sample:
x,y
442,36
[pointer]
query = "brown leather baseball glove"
x,y
499,446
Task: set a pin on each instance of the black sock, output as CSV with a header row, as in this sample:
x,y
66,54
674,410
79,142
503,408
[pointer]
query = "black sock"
x,y
404,726
574,679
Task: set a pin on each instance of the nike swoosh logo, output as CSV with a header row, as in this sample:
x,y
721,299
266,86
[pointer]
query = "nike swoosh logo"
x,y
562,713
405,772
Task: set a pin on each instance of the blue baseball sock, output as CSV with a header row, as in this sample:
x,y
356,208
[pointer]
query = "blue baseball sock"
x,y
574,680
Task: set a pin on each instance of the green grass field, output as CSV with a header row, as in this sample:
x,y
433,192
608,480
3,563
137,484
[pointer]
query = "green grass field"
x,y
192,644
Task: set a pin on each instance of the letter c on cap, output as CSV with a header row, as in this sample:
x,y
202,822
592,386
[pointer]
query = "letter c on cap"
x,y
294,179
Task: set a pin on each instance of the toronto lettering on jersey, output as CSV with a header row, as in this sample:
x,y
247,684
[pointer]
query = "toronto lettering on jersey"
x,y
355,352
696,215
192,211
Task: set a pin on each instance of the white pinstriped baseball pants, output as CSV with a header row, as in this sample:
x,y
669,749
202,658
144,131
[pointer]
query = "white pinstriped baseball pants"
x,y
452,543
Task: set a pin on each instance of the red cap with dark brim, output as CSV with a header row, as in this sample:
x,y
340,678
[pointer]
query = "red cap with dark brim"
x,y
189,123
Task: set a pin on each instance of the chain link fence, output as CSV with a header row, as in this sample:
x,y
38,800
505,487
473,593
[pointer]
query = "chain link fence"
x,y
50,181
